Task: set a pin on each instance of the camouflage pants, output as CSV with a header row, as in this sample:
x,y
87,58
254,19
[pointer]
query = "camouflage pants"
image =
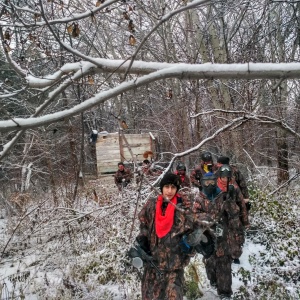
x,y
236,237
235,242
218,270
169,286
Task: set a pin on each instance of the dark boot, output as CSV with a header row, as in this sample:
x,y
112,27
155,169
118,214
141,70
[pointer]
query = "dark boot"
x,y
236,261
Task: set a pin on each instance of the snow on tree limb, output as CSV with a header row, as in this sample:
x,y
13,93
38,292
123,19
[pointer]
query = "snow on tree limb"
x,y
182,71
179,71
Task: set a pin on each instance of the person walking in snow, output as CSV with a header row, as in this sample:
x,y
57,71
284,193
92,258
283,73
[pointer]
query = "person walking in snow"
x,y
206,165
226,180
238,177
168,233
222,205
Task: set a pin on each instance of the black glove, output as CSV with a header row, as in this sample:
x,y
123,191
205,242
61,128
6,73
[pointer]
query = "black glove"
x,y
144,243
206,248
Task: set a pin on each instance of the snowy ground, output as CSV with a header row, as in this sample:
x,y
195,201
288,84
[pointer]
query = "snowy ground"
x,y
250,249
14,273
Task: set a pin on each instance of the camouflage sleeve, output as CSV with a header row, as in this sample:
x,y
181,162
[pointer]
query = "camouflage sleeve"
x,y
194,178
200,211
241,182
117,178
242,205
144,218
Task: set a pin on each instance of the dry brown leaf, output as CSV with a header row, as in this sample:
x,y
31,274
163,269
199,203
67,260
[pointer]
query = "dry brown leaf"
x,y
131,26
7,34
93,18
90,79
75,31
132,40
70,29
125,15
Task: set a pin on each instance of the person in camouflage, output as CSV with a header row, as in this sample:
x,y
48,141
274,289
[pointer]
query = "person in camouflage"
x,y
123,176
206,165
227,209
237,176
164,222
239,181
181,172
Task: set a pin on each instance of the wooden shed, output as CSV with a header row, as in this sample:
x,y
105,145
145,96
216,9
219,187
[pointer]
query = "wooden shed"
x,y
111,149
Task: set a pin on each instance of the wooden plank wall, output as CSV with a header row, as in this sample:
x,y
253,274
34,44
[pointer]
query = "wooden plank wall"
x,y
110,151
139,143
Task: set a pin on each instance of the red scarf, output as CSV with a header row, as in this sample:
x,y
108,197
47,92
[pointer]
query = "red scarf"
x,y
222,185
163,224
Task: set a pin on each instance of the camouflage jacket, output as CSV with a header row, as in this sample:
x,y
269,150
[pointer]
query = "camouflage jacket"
x,y
197,174
229,214
166,251
241,181
119,176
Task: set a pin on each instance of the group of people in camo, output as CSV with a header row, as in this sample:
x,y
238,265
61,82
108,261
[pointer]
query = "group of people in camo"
x,y
179,223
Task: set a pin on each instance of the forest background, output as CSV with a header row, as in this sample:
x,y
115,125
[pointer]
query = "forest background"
x,y
202,75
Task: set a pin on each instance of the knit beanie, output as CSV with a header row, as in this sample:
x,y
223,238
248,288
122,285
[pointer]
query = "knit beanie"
x,y
170,178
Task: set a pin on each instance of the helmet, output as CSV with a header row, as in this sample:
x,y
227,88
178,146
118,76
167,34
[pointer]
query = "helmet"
x,y
225,171
206,156
170,178
181,167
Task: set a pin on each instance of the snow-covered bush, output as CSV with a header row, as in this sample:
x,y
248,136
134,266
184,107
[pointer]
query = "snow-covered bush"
x,y
275,223
79,251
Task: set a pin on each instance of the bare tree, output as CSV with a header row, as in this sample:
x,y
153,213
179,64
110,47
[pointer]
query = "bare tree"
x,y
156,65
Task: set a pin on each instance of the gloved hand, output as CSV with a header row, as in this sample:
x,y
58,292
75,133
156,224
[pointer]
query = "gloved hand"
x,y
185,247
206,248
189,241
144,243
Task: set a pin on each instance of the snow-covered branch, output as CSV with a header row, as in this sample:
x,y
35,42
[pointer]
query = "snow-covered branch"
x,y
182,71
179,71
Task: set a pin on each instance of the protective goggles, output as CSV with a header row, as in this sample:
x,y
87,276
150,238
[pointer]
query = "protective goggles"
x,y
209,182
225,168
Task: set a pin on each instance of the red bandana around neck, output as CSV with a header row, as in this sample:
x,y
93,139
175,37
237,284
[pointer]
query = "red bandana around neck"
x,y
222,185
164,223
